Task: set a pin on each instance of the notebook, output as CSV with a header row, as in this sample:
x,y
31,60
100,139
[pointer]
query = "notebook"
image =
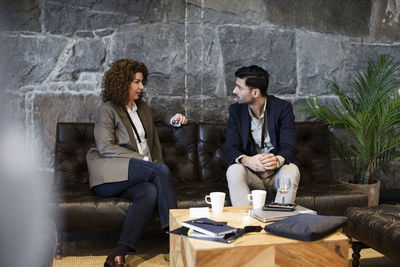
x,y
271,215
209,227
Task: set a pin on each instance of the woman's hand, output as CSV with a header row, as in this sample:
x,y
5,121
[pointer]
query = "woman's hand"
x,y
178,119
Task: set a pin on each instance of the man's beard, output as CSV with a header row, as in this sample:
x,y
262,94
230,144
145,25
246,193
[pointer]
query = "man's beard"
x,y
243,100
239,100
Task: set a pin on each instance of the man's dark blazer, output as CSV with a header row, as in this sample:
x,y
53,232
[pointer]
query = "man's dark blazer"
x,y
281,129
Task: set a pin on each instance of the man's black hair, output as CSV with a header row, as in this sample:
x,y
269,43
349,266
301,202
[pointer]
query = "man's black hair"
x,y
255,77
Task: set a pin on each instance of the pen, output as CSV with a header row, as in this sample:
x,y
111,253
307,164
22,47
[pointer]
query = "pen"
x,y
209,223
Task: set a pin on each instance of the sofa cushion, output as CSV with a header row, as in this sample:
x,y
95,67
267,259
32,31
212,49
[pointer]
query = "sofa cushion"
x,y
378,227
179,150
313,152
73,140
211,150
78,209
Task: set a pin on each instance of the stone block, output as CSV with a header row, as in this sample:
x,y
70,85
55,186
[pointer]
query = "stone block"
x,y
194,109
70,16
167,105
103,33
91,77
226,12
330,16
84,34
28,60
60,18
20,15
12,108
320,58
386,20
50,108
216,109
359,54
195,59
82,87
209,109
87,55
213,82
205,75
273,50
195,12
172,11
161,48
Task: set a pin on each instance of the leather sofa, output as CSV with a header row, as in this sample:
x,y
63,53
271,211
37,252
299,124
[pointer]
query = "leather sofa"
x,y
195,156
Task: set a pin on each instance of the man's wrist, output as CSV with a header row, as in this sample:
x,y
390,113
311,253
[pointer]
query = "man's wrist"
x,y
244,161
279,161
239,159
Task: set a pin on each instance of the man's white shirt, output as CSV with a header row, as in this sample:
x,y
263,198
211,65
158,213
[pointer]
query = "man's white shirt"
x,y
256,132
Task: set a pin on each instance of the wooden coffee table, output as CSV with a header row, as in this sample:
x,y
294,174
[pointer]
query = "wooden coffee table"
x,y
253,249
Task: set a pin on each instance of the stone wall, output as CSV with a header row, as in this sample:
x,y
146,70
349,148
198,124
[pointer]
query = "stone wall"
x,y
54,52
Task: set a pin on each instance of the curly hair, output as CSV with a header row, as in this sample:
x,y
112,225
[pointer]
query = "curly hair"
x,y
117,79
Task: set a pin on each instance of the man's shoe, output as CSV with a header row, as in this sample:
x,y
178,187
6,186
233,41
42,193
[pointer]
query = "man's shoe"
x,y
118,261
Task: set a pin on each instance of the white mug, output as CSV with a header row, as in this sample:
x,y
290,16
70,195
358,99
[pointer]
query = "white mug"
x,y
258,198
216,199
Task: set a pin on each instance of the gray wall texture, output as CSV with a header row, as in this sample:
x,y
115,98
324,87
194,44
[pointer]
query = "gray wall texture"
x,y
54,53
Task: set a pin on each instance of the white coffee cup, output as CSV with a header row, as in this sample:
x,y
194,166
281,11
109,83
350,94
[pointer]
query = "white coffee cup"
x,y
258,198
216,199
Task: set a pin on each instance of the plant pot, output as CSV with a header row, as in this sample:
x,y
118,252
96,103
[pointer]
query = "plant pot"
x,y
372,190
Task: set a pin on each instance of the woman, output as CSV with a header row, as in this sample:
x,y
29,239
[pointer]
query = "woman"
x,y
127,161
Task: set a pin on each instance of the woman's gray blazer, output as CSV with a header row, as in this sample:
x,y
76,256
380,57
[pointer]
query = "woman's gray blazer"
x,y
116,143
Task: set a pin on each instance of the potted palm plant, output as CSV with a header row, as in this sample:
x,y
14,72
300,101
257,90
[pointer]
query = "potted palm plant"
x,y
369,114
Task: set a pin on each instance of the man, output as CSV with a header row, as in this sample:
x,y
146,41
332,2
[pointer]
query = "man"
x,y
261,139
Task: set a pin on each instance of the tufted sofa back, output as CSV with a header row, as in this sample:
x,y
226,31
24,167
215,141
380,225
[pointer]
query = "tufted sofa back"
x,y
313,152
73,141
179,148
193,153
211,151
